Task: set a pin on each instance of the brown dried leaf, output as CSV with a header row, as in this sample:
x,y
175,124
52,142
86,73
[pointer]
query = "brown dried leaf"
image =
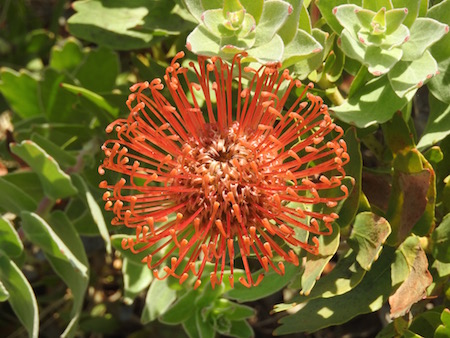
x,y
413,289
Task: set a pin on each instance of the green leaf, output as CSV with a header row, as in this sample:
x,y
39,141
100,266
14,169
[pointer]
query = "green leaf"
x,y
424,33
26,181
443,331
375,5
353,169
289,30
136,278
253,7
158,300
395,17
369,233
56,183
241,329
111,23
271,51
408,75
375,102
303,67
99,70
177,313
4,294
345,276
21,295
380,61
271,283
204,327
190,327
200,41
274,15
440,241
419,278
67,55
62,157
303,46
441,52
304,21
413,9
96,99
57,103
94,209
315,264
66,232
41,234
367,296
20,90
327,10
10,243
16,200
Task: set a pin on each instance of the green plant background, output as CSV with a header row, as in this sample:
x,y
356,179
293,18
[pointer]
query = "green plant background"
x,y
383,71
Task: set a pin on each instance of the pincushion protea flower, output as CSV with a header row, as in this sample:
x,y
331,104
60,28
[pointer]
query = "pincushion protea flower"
x,y
196,186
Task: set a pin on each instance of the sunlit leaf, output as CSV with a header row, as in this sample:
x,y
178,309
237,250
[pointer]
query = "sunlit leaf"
x,y
10,243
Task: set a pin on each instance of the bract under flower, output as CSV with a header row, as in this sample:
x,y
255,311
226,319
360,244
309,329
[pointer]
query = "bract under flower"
x,y
197,186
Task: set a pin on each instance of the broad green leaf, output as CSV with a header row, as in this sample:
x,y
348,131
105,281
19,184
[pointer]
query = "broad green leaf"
x,y
375,5
136,278
20,90
94,209
426,322
195,7
441,52
67,55
99,70
158,300
10,243
177,313
110,23
353,169
204,327
57,103
334,73
327,9
397,134
21,295
414,287
367,296
41,234
268,52
440,238
253,7
61,157
301,47
315,264
443,331
190,325
66,232
369,233
424,33
375,102
345,276
346,15
274,15
200,41
56,183
438,84
408,75
380,61
271,283
16,200
27,181
413,9
4,294
304,22
289,30
303,67
395,17
241,329
96,99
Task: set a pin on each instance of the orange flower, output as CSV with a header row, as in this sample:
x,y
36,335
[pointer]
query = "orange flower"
x,y
198,186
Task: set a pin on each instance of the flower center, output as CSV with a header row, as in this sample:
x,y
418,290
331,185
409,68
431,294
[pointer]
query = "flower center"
x,y
223,167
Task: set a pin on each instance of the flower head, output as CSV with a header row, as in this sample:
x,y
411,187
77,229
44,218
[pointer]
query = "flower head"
x,y
231,182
